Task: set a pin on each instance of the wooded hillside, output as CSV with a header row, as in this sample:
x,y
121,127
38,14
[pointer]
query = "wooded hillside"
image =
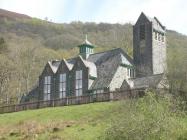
x,y
26,44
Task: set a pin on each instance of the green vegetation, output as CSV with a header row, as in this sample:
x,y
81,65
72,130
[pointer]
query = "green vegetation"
x,y
148,118
72,122
152,117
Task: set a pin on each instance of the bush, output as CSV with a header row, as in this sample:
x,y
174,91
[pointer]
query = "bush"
x,y
147,118
3,45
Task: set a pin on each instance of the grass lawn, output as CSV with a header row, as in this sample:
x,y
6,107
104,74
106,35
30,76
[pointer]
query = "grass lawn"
x,y
84,122
130,118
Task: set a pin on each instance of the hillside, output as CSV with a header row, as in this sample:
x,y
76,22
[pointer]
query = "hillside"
x,y
84,122
68,36
28,43
12,15
148,118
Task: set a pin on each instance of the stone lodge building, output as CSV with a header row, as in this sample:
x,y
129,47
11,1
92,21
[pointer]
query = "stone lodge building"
x,y
91,73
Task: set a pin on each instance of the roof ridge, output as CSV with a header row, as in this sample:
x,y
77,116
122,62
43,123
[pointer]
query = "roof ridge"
x,y
159,22
106,51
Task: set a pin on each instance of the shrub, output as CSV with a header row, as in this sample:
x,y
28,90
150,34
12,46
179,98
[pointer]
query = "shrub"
x,y
147,118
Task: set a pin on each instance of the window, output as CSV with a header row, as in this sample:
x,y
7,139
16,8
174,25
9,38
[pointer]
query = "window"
x,y
162,38
156,35
100,91
142,32
131,72
78,83
62,85
128,72
47,87
159,36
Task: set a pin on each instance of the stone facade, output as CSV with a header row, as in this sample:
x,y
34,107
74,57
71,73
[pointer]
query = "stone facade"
x,y
149,46
119,77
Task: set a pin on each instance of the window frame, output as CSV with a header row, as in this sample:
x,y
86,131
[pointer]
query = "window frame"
x,y
78,83
47,87
62,85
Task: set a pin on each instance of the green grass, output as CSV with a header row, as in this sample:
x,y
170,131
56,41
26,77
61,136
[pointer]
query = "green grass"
x,y
120,120
70,122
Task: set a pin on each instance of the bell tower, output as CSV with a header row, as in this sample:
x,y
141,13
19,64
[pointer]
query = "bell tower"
x,y
86,48
149,46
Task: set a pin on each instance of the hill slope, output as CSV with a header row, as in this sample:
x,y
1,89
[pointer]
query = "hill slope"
x,y
84,122
67,36
148,118
12,15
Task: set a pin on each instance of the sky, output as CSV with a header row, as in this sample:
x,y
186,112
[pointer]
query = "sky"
x,y
171,13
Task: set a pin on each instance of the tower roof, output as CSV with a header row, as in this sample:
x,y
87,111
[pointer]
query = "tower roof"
x,y
156,23
86,42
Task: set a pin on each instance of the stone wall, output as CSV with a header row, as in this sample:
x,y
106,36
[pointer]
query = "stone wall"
x,y
159,56
118,78
149,53
142,49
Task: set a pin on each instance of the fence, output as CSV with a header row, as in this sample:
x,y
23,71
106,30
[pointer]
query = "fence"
x,y
101,97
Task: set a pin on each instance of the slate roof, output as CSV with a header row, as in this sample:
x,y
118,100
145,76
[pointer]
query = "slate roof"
x,y
102,65
101,57
107,63
87,42
145,82
92,67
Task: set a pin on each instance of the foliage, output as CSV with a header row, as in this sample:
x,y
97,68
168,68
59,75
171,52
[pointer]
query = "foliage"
x,y
3,45
6,73
177,74
148,118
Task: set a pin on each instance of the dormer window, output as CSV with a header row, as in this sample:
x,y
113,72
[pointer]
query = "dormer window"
x,y
47,88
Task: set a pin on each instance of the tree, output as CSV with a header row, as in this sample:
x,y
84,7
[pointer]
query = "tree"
x,y
3,45
6,73
177,74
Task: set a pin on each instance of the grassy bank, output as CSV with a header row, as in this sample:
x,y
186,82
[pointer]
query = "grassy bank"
x,y
149,117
